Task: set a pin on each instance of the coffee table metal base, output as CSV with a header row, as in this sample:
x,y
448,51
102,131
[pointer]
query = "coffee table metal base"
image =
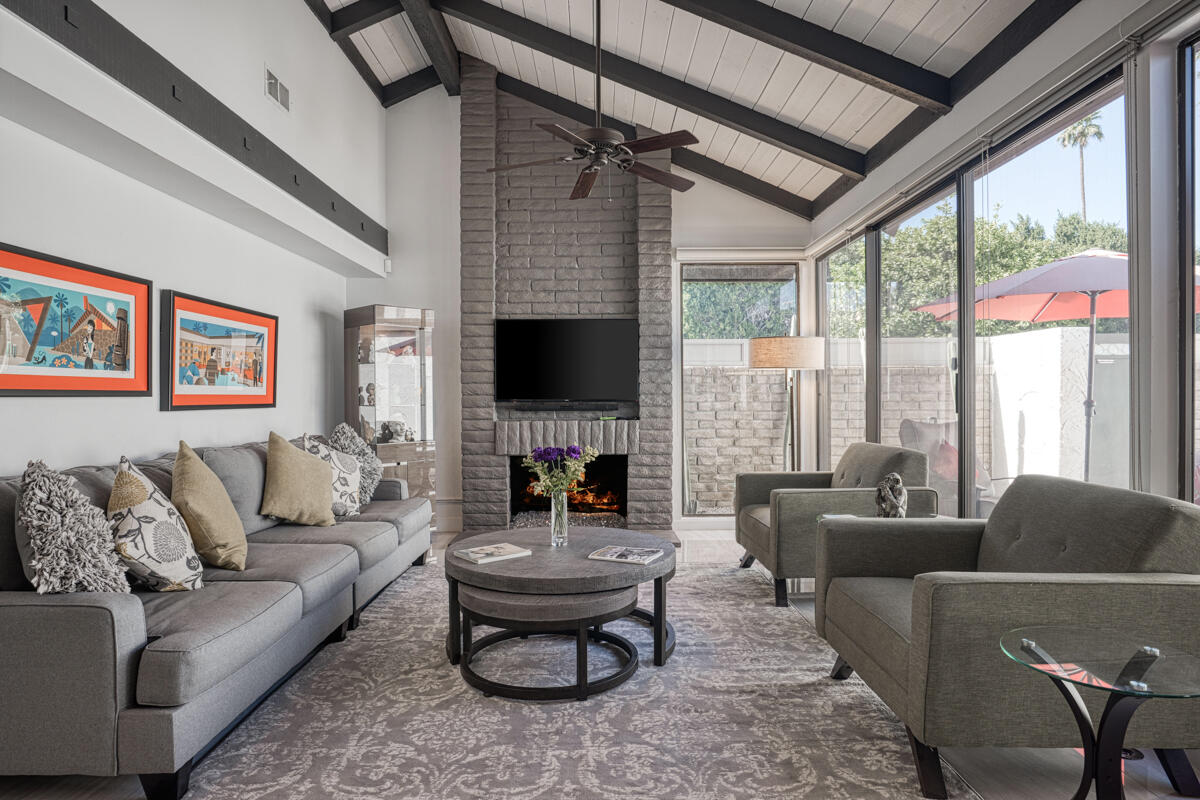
x,y
581,690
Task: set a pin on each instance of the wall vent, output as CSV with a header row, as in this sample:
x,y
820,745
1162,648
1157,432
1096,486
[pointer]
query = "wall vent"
x,y
277,91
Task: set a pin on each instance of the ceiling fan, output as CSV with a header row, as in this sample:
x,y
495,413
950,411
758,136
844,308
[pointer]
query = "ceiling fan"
x,y
600,147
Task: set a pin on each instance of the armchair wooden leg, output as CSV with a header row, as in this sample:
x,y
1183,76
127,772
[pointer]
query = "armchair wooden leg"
x,y
929,767
1179,771
747,560
167,785
841,670
781,599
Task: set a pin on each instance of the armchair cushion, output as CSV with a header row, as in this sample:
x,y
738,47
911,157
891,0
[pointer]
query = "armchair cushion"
x,y
1046,524
755,524
865,464
876,613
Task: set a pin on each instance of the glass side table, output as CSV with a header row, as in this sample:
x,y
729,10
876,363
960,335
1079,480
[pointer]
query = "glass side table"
x,y
1131,671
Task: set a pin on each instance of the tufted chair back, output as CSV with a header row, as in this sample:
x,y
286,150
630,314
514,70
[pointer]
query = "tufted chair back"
x,y
864,465
1046,524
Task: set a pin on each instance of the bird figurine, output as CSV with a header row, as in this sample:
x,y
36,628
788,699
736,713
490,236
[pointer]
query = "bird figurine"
x,y
891,498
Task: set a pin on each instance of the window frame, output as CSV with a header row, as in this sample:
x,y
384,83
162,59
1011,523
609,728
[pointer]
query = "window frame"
x,y
1186,144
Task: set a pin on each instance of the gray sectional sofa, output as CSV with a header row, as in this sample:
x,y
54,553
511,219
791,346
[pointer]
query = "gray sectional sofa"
x,y
146,683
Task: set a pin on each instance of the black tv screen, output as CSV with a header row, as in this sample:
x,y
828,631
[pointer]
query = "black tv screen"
x,y
592,360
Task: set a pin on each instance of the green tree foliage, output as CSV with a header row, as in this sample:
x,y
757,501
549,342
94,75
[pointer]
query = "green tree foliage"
x,y
920,267
737,309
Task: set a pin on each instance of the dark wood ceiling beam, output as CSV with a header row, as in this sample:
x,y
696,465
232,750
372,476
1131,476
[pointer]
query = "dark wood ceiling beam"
x,y
1016,36
435,37
409,85
361,14
325,17
663,87
680,156
822,46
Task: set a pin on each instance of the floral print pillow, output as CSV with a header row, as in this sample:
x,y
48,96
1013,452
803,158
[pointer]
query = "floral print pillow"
x,y
151,536
347,476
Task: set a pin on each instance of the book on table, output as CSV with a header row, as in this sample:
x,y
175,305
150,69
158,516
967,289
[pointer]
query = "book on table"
x,y
492,552
627,555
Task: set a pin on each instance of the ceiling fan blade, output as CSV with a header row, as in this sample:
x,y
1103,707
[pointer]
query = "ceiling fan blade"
x,y
583,186
676,182
662,142
561,160
565,135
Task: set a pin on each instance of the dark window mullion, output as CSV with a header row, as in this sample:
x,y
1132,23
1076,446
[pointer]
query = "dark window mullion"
x,y
872,369
966,344
1187,268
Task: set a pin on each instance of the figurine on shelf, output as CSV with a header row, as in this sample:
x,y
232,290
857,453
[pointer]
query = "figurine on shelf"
x,y
385,433
364,352
368,432
370,394
362,398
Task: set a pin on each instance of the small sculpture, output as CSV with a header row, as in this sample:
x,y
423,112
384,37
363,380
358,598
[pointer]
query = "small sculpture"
x,y
370,394
891,498
385,433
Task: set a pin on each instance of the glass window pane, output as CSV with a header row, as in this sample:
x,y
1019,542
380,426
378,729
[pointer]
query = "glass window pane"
x,y
919,352
733,417
1052,305
845,357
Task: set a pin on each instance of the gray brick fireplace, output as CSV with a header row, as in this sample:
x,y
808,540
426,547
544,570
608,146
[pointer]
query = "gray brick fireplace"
x,y
529,252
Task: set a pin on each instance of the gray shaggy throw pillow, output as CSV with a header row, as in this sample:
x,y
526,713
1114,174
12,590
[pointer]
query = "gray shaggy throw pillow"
x,y
70,541
344,439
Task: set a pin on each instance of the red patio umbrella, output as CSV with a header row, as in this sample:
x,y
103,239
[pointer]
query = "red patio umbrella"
x,y
1090,285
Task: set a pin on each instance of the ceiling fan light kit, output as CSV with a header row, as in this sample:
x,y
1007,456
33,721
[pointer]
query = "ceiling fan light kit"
x,y
602,147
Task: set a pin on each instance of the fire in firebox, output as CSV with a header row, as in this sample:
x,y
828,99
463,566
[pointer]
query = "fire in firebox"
x,y
601,490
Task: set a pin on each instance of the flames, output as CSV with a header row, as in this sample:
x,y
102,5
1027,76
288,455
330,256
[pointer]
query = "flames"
x,y
586,499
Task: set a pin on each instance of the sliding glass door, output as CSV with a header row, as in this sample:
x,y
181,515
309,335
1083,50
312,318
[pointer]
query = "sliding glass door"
x,y
844,384
1052,303
918,301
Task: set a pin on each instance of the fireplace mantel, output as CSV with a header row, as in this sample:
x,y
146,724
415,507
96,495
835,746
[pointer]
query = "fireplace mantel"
x,y
516,437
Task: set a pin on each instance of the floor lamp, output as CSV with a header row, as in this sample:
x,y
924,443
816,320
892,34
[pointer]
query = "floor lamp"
x,y
788,353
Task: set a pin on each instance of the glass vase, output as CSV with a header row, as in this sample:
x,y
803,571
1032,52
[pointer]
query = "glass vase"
x,y
558,519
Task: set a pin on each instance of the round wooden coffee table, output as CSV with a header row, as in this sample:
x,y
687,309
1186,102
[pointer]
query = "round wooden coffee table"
x,y
563,571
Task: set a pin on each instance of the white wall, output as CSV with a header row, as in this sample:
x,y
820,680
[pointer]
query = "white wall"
x,y
423,219
335,127
712,215
59,202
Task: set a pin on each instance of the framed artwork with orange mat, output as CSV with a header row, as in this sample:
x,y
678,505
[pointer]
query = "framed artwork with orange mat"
x,y
215,355
68,328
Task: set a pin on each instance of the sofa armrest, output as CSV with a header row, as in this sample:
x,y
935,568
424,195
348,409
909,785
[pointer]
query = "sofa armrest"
x,y
68,665
891,548
391,489
754,488
959,617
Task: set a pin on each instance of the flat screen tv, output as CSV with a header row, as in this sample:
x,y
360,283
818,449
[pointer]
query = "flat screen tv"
x,y
567,360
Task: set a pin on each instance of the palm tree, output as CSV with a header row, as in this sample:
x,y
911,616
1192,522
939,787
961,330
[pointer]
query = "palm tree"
x,y
5,285
61,302
1078,135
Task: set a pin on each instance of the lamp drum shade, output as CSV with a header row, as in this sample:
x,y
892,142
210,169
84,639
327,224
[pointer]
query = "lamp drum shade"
x,y
787,352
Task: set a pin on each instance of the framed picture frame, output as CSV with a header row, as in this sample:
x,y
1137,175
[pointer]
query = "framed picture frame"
x,y
68,328
215,355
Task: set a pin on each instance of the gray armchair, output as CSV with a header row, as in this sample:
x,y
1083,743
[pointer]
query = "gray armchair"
x,y
776,513
917,607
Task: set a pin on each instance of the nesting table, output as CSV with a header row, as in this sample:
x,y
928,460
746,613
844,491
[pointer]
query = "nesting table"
x,y
556,591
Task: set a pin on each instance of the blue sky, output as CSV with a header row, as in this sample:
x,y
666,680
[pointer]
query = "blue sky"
x,y
1044,180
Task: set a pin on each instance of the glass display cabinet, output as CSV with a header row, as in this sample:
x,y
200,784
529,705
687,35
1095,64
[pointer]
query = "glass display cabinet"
x,y
389,390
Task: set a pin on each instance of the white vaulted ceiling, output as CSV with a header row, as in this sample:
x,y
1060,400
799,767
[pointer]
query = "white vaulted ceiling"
x,y
939,35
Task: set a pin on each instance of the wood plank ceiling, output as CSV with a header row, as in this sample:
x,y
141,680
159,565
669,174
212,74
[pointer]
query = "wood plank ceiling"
x,y
792,114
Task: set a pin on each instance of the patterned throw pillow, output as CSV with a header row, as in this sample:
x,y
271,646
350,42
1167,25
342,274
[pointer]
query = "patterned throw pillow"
x,y
69,541
151,534
346,440
347,476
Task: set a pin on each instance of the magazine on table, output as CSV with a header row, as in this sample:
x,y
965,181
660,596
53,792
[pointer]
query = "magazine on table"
x,y
492,552
627,555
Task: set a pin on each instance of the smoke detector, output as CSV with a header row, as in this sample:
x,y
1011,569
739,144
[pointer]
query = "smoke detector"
x,y
277,91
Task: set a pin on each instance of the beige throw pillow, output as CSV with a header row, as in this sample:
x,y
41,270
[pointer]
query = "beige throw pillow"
x,y
299,486
213,522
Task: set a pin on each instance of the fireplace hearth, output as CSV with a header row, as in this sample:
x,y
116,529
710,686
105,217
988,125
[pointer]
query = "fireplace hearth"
x,y
603,490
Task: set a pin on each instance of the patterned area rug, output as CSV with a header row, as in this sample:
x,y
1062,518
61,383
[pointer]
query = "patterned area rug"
x,y
744,709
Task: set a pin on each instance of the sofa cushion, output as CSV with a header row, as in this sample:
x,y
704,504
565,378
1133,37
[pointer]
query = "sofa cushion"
x,y
199,638
877,614
243,471
755,524
373,541
864,465
320,570
1047,524
410,516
